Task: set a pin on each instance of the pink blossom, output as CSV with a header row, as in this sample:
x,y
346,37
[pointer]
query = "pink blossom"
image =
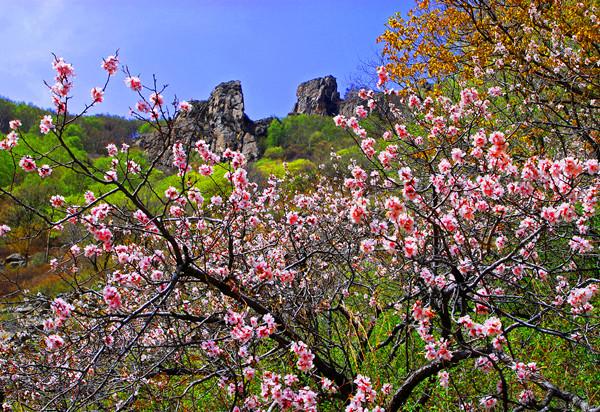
x,y
367,246
57,201
142,107
413,101
111,176
526,396
4,229
112,297
97,95
580,245
479,139
382,76
579,299
89,197
468,96
176,211
60,89
134,83
133,167
112,150
368,147
234,318
103,235
458,155
488,402
357,212
27,164
205,170
550,214
242,333
249,373
44,171
361,112
449,222
409,192
572,167
495,91
444,378
211,348
46,124
592,166
185,107
340,121
410,247
444,166
49,325
14,124
110,64
492,326
10,142
524,371
305,356
61,308
54,342
292,218
156,99
171,193
498,342
63,69
327,385
498,139
90,251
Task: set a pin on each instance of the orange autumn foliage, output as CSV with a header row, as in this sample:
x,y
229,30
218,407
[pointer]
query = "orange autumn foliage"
x,y
546,53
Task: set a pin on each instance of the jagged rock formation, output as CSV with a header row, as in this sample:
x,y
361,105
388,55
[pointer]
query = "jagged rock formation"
x,y
347,106
318,96
220,121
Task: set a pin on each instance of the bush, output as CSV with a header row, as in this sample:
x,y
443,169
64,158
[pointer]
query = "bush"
x,y
275,152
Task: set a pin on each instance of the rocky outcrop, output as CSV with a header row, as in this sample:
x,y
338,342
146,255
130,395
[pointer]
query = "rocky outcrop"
x,y
347,106
318,96
15,260
220,121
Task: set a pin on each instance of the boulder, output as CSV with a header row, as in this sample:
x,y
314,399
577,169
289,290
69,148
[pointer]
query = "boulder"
x,y
15,260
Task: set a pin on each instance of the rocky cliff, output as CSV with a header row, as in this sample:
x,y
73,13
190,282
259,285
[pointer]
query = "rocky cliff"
x,y
222,122
320,96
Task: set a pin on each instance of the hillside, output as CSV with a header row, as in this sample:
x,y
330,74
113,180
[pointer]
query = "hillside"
x,y
96,131
295,144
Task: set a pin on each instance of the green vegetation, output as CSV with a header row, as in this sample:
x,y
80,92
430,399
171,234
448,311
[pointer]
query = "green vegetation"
x,y
304,136
95,132
294,146
278,168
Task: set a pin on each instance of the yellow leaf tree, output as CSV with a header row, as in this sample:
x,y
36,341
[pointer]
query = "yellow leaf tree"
x,y
544,54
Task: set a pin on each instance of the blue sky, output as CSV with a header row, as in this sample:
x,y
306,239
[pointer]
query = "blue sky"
x,y
270,45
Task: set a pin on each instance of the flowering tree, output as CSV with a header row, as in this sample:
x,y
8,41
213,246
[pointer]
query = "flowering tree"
x,y
543,52
438,253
